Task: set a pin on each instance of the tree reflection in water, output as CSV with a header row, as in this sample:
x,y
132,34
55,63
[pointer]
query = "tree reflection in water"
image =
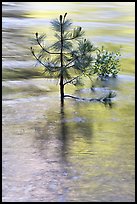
x,y
59,133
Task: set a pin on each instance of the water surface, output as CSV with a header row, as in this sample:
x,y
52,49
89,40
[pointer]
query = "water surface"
x,y
84,151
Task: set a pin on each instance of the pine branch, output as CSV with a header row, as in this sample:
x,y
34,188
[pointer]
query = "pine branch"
x,y
84,99
43,47
66,66
105,100
46,66
64,18
37,58
70,66
69,81
54,45
77,33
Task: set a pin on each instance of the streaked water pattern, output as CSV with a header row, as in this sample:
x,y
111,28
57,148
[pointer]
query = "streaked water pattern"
x,y
85,151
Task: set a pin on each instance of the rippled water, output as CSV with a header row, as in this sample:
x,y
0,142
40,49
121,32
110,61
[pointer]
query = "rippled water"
x,y
84,151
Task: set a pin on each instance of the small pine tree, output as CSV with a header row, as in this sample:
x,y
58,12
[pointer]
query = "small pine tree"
x,y
71,53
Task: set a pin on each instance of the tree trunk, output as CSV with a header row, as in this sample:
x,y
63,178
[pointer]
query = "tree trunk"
x,y
61,60
62,90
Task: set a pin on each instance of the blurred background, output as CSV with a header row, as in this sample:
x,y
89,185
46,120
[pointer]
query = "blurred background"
x,y
84,152
111,25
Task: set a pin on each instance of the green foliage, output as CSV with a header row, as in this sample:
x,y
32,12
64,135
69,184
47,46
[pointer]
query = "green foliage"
x,y
75,50
71,55
56,24
106,64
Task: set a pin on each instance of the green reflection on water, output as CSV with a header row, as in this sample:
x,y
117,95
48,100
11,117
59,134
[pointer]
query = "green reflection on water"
x,y
91,144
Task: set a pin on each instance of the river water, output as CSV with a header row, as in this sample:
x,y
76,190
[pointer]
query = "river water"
x,y
85,151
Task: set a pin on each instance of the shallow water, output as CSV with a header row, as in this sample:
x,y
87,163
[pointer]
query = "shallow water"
x,y
84,151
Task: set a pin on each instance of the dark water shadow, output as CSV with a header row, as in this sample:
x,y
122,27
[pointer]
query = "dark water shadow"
x,y
63,127
61,130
